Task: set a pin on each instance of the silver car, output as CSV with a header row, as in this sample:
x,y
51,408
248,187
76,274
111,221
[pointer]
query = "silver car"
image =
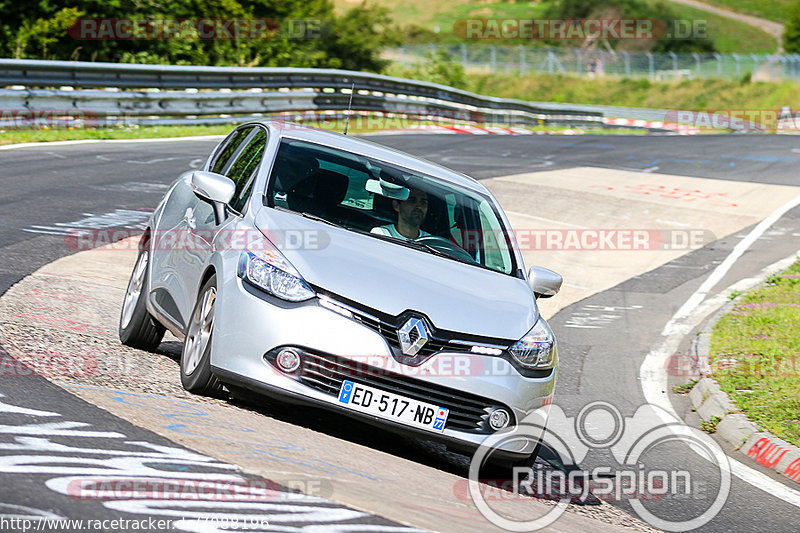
x,y
287,267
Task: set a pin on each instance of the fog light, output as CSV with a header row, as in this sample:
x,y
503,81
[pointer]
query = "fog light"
x,y
288,360
499,419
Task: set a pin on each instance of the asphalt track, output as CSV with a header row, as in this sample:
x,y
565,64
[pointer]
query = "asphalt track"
x,y
47,189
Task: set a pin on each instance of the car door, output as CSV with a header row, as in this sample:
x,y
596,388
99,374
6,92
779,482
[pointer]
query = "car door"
x,y
240,164
186,231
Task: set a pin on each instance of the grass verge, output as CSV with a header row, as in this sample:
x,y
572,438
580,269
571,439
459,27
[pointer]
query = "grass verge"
x,y
775,10
358,125
686,94
729,35
755,351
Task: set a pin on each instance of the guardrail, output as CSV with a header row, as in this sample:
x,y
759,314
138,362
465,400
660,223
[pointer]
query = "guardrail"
x,y
138,93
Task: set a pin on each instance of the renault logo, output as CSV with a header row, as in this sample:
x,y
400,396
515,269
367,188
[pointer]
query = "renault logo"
x,y
412,336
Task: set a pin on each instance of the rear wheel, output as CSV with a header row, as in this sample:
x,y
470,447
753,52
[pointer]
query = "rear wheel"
x,y
196,375
137,328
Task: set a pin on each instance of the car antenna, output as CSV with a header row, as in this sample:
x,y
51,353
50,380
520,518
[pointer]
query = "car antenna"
x,y
349,105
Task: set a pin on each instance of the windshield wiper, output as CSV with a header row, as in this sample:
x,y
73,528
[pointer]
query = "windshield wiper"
x,y
410,243
311,216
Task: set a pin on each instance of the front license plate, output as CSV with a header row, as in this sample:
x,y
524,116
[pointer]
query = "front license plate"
x,y
393,406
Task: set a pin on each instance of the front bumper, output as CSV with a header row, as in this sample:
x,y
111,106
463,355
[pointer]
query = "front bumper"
x,y
250,323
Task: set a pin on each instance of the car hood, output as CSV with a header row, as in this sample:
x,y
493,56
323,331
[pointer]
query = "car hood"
x,y
392,278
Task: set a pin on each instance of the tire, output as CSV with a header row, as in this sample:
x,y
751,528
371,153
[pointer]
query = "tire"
x,y
196,375
504,470
137,328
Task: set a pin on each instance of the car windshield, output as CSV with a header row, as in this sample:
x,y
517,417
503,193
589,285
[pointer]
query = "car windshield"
x,y
389,202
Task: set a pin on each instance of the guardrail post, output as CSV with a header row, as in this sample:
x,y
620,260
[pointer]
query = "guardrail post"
x,y
674,57
493,58
719,64
522,65
738,65
650,65
696,57
627,58
754,57
463,55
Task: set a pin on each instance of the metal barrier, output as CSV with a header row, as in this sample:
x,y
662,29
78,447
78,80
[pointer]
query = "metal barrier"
x,y
158,91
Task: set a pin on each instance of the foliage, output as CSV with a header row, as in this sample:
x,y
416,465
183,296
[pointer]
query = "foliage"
x,y
632,9
754,354
710,425
44,32
791,32
685,388
306,33
438,67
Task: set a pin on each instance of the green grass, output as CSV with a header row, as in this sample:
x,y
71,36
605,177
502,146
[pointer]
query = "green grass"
x,y
49,135
775,10
728,35
445,19
687,94
364,124
756,355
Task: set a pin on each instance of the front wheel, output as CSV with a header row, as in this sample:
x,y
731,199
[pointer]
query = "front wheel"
x,y
504,469
196,375
137,328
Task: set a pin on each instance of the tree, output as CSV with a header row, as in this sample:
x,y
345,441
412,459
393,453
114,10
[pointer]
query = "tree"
x,y
791,31
44,32
637,10
353,40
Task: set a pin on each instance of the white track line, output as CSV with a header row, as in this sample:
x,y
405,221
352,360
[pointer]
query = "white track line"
x,y
723,268
652,373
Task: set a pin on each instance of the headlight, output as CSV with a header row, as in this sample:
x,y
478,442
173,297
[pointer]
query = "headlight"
x,y
537,349
268,270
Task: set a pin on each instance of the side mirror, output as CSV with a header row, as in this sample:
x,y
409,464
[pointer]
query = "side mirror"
x,y
544,282
215,189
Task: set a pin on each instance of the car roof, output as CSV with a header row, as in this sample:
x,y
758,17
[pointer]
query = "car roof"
x,y
369,149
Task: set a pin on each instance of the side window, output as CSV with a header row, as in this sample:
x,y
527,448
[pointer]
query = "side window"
x,y
495,246
244,167
229,150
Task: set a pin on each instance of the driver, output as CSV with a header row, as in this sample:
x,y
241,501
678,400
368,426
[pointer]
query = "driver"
x,y
410,216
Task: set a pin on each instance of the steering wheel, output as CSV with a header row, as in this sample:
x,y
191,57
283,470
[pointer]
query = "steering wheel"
x,y
446,246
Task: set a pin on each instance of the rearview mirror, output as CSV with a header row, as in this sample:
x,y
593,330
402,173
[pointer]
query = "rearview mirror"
x,y
215,189
544,282
387,189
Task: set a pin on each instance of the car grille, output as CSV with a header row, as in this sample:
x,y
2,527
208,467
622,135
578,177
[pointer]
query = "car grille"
x,y
468,412
438,340
389,333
